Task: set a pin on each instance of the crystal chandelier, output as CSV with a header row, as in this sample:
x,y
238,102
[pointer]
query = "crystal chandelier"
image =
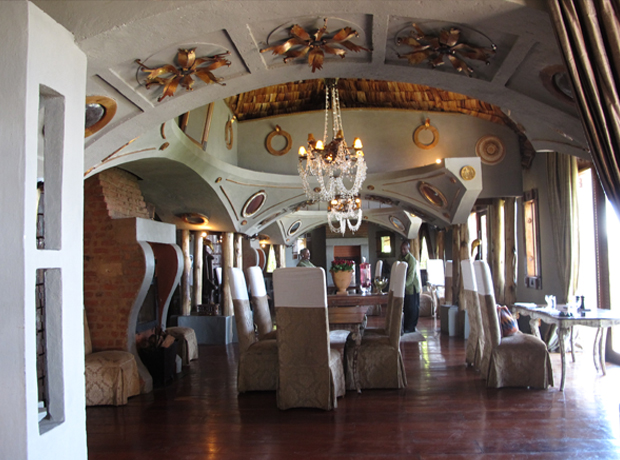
x,y
337,169
343,211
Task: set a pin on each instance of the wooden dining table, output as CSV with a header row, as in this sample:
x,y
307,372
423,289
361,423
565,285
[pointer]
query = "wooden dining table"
x,y
354,300
351,319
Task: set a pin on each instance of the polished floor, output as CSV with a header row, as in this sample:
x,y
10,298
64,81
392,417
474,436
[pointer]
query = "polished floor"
x,y
446,412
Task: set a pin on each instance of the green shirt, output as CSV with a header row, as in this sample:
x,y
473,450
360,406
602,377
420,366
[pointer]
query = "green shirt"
x,y
413,283
305,263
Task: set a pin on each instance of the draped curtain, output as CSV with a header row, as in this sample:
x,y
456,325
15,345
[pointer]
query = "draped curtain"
x,y
589,35
564,212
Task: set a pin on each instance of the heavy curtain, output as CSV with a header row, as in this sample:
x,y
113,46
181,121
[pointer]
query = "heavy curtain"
x,y
563,208
589,34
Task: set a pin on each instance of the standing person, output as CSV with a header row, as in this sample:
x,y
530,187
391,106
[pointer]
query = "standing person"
x,y
305,259
413,287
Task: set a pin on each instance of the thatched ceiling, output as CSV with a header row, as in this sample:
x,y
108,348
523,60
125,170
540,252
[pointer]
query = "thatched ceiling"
x,y
303,96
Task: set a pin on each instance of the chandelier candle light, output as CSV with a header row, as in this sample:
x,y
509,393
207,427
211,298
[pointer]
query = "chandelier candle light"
x,y
343,210
339,169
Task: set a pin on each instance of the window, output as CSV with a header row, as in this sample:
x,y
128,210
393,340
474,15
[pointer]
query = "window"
x,y
385,244
532,252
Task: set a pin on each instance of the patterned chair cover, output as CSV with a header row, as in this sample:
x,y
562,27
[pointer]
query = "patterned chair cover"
x,y
519,360
111,376
448,284
260,304
475,342
187,341
379,361
258,360
310,372
388,309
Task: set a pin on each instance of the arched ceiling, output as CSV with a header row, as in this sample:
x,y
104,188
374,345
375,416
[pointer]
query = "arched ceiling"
x,y
517,84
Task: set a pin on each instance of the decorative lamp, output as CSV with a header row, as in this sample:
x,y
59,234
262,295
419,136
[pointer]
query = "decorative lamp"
x,y
346,212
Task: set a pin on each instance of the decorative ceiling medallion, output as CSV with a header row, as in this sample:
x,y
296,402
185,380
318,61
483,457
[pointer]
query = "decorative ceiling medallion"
x,y
278,132
490,149
315,45
229,133
371,187
447,44
99,112
254,204
218,180
170,76
194,218
422,128
433,195
244,222
397,223
468,172
294,228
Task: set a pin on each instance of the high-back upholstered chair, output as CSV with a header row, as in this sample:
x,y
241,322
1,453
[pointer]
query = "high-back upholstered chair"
x,y
111,376
448,284
258,359
519,360
311,373
388,309
260,304
475,342
377,362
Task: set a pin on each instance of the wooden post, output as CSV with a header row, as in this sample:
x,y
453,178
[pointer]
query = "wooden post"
x,y
415,248
197,298
227,262
239,251
281,259
497,248
186,298
456,264
510,288
441,244
463,255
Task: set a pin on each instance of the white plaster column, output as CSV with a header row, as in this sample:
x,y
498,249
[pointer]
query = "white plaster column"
x,y
186,298
197,297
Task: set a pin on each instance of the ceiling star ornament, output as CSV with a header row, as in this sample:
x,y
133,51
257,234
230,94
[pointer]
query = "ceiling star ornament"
x,y
339,170
346,212
188,66
435,48
316,45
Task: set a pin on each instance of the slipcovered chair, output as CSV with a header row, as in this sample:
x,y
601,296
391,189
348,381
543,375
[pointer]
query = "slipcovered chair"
x,y
310,372
388,309
187,343
475,341
518,360
427,304
111,376
448,284
377,362
258,359
375,310
260,304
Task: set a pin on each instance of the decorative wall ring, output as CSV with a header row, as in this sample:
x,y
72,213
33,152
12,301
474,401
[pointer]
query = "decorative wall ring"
x,y
433,195
228,134
278,132
424,127
99,112
490,149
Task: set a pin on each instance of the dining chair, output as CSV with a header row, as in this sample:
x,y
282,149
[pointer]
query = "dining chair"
x,y
377,362
388,309
260,304
258,359
475,341
448,284
518,360
310,372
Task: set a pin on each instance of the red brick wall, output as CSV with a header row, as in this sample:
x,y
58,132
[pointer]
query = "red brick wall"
x,y
113,266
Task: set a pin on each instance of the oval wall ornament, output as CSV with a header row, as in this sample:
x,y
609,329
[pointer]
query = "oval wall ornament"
x,y
99,112
490,149
433,195
254,204
294,228
397,223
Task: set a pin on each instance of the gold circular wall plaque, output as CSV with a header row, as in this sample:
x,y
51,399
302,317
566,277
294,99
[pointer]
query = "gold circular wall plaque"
x,y
490,149
278,132
468,172
433,195
99,112
228,134
420,129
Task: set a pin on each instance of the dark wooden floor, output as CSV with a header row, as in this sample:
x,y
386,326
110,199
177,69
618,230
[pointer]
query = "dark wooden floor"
x,y
446,412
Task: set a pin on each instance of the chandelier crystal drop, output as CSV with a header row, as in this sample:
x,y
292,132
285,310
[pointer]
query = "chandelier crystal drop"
x,y
332,169
346,212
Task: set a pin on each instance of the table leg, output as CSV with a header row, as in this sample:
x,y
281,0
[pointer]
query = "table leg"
x,y
596,347
601,349
562,333
572,344
535,327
